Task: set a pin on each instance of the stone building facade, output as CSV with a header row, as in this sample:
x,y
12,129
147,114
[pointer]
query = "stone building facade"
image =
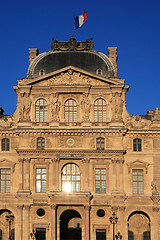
x,y
71,155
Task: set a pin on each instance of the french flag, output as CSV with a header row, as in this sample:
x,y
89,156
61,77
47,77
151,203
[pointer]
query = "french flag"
x,y
78,21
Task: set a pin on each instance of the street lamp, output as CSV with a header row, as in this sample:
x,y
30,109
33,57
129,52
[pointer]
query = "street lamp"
x,y
113,220
9,219
118,236
33,234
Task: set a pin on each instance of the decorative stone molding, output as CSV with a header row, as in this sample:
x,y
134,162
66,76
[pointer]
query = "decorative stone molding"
x,y
4,163
155,209
138,164
72,45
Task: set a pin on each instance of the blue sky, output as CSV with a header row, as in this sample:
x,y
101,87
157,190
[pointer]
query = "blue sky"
x,y
132,26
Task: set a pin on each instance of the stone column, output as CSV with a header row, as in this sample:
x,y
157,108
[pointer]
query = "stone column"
x,y
121,176
26,222
114,177
86,174
55,179
53,222
87,222
27,174
20,160
19,223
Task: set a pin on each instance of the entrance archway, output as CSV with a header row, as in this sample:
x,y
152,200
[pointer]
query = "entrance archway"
x,y
7,224
70,225
138,226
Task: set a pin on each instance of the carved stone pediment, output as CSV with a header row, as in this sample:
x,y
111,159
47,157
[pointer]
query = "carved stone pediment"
x,y
70,75
7,164
138,164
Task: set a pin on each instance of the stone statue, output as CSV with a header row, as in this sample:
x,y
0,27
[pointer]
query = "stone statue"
x,y
85,107
24,107
55,106
117,107
154,187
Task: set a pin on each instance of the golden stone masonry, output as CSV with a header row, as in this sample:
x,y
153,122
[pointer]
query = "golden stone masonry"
x,y
74,164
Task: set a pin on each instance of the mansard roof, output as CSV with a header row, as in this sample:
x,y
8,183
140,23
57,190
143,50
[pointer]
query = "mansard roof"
x,y
72,53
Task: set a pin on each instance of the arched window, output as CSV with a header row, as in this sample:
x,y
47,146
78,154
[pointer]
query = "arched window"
x,y
41,110
40,143
100,143
71,178
70,110
137,145
5,144
100,110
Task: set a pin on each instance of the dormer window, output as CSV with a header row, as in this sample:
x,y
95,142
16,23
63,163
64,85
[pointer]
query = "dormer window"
x,y
41,72
99,71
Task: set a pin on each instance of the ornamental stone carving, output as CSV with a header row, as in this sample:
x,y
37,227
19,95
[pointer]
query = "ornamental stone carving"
x,y
72,45
24,105
117,107
85,104
55,107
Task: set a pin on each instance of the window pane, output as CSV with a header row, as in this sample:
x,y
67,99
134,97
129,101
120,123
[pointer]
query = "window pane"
x,y
100,178
137,179
71,176
5,179
41,180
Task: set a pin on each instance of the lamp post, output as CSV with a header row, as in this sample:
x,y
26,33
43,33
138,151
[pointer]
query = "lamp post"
x,y
33,234
118,236
9,219
113,220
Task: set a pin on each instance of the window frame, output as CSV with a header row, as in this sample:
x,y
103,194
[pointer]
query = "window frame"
x,y
41,115
76,188
101,180
137,182
5,168
41,141
41,180
137,145
101,142
70,111
100,111
5,146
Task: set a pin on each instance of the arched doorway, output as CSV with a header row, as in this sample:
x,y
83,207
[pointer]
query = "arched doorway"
x,y
138,226
7,225
70,225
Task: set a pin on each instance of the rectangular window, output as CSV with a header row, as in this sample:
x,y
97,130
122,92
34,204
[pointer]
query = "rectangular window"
x,y
100,234
137,145
100,177
40,234
137,179
5,179
40,179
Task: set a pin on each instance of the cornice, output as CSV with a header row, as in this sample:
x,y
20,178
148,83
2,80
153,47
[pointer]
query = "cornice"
x,y
74,153
79,132
62,132
143,132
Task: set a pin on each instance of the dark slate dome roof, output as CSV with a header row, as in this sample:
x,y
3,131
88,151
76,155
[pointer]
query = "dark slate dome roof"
x,y
72,53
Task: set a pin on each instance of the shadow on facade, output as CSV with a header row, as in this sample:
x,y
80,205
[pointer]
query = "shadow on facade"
x,y
7,225
70,225
139,226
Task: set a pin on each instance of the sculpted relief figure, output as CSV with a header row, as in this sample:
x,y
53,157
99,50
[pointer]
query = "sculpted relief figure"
x,y
117,107
154,187
24,104
85,104
55,106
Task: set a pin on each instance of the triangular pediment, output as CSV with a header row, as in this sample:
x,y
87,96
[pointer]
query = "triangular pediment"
x,y
71,76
